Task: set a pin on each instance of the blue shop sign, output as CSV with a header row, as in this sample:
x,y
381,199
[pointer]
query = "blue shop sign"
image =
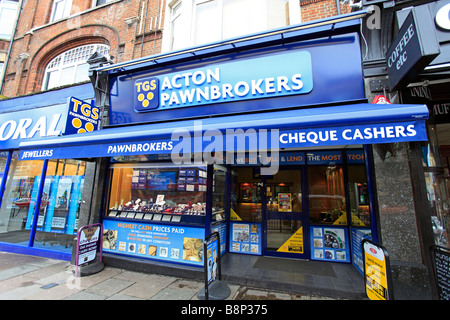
x,y
270,76
346,135
326,70
82,116
32,124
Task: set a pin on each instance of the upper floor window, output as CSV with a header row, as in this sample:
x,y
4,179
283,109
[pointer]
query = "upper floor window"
x,y
100,2
196,22
60,9
71,66
8,16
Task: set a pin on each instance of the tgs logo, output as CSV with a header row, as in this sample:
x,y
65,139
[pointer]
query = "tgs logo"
x,y
146,94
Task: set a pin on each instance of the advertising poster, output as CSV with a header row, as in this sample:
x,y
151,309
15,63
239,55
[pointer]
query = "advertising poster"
x,y
154,241
75,200
376,271
62,203
43,212
330,244
212,257
222,230
284,202
245,238
88,243
294,244
358,235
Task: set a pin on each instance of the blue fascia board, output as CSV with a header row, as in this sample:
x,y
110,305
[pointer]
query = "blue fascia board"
x,y
353,114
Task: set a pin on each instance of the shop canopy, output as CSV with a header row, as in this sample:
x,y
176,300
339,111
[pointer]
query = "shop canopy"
x,y
288,129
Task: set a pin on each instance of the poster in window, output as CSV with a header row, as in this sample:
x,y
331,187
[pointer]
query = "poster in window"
x,y
284,202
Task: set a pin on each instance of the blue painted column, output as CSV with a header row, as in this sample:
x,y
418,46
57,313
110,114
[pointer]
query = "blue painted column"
x,y
37,206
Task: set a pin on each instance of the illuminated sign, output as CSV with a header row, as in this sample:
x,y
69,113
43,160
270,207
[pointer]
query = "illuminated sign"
x,y
231,81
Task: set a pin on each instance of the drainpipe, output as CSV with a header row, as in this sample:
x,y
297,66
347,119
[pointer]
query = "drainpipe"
x,y
11,44
338,7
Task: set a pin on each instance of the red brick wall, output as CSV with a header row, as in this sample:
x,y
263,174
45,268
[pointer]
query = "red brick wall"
x,y
319,9
41,41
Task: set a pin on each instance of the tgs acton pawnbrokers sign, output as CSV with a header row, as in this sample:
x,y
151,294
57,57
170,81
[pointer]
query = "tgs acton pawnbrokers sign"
x,y
233,81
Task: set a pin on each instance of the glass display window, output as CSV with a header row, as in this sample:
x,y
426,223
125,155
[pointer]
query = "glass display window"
x,y
327,195
60,204
359,196
158,192
17,200
246,194
218,193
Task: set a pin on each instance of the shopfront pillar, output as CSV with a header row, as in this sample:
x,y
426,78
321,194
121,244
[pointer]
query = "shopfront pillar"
x,y
398,220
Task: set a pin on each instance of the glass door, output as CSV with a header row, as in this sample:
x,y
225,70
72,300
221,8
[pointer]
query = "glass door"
x,y
284,218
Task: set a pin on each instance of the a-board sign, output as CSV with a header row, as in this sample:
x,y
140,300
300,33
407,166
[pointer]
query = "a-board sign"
x,y
89,239
215,288
212,261
377,273
442,271
212,250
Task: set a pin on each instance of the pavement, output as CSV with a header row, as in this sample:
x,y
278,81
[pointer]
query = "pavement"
x,y
24,277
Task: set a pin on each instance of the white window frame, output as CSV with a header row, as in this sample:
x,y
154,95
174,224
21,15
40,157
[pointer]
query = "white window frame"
x,y
187,13
8,8
67,7
95,3
75,59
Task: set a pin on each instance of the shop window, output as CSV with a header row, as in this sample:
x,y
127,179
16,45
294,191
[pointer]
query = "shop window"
x,y
60,203
8,15
359,196
218,193
196,22
246,194
436,180
60,9
326,195
158,192
17,198
71,67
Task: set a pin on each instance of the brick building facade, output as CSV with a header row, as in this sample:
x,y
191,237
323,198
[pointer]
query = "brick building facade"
x,y
38,40
131,29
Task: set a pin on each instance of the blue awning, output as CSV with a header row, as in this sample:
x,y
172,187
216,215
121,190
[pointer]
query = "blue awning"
x,y
301,128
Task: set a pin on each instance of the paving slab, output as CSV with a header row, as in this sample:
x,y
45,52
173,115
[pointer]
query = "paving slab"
x,y
109,287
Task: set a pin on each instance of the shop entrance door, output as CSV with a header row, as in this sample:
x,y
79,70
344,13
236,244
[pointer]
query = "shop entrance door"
x,y
284,213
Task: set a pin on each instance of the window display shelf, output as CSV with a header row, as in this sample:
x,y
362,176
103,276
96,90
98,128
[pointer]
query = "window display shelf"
x,y
163,193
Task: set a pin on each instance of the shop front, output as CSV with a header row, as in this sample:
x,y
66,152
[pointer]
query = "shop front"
x,y
36,223
265,139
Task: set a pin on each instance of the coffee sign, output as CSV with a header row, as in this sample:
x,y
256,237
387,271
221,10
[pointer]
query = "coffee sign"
x,y
409,54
